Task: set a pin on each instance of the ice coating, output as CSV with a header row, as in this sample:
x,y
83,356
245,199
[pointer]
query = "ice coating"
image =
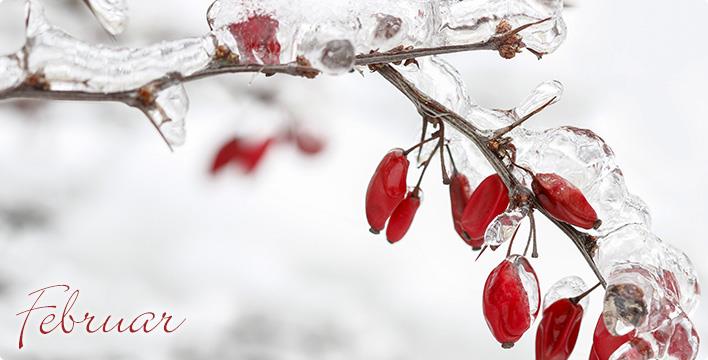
x,y
476,20
11,72
504,226
168,114
675,339
112,14
584,159
565,288
632,259
529,282
72,65
364,26
548,92
307,27
636,245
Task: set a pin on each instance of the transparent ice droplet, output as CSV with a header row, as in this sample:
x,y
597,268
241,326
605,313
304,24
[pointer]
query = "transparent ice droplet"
x,y
565,288
529,281
327,47
637,298
112,14
168,113
549,91
680,277
11,72
504,226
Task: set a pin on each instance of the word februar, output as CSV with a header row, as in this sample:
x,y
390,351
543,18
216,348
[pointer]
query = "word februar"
x,y
66,322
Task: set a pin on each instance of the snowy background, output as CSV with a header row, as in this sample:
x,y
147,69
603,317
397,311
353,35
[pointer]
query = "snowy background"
x,y
280,265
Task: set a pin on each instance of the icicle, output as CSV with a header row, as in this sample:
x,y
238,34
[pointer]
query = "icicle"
x,y
112,14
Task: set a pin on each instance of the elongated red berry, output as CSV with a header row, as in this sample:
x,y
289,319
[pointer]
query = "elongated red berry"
x,y
564,201
387,189
511,299
558,331
605,344
460,193
244,153
402,217
257,39
488,200
225,155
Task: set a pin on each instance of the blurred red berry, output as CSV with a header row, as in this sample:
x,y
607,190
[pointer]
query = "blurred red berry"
x,y
225,155
246,154
564,201
257,39
460,193
387,189
402,217
308,144
488,200
506,299
558,331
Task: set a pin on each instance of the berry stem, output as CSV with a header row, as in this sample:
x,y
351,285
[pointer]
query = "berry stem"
x,y
425,167
443,168
423,132
420,144
532,219
577,299
452,159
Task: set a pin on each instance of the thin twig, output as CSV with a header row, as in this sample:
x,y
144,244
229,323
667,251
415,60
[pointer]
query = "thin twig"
x,y
499,133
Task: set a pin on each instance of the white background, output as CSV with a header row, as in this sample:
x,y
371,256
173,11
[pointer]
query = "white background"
x,y
281,264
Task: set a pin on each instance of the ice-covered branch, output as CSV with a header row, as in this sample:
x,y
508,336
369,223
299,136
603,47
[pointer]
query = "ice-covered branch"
x,y
269,40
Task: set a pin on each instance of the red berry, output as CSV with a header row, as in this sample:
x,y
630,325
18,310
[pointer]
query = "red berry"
x,y
558,330
257,37
225,155
460,193
243,153
308,144
402,217
604,343
564,201
252,154
387,189
511,299
487,201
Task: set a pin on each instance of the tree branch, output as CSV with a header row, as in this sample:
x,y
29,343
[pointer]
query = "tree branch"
x,y
505,39
429,107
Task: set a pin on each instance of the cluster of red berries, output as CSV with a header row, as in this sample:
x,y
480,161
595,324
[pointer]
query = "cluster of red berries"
x,y
247,154
511,297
